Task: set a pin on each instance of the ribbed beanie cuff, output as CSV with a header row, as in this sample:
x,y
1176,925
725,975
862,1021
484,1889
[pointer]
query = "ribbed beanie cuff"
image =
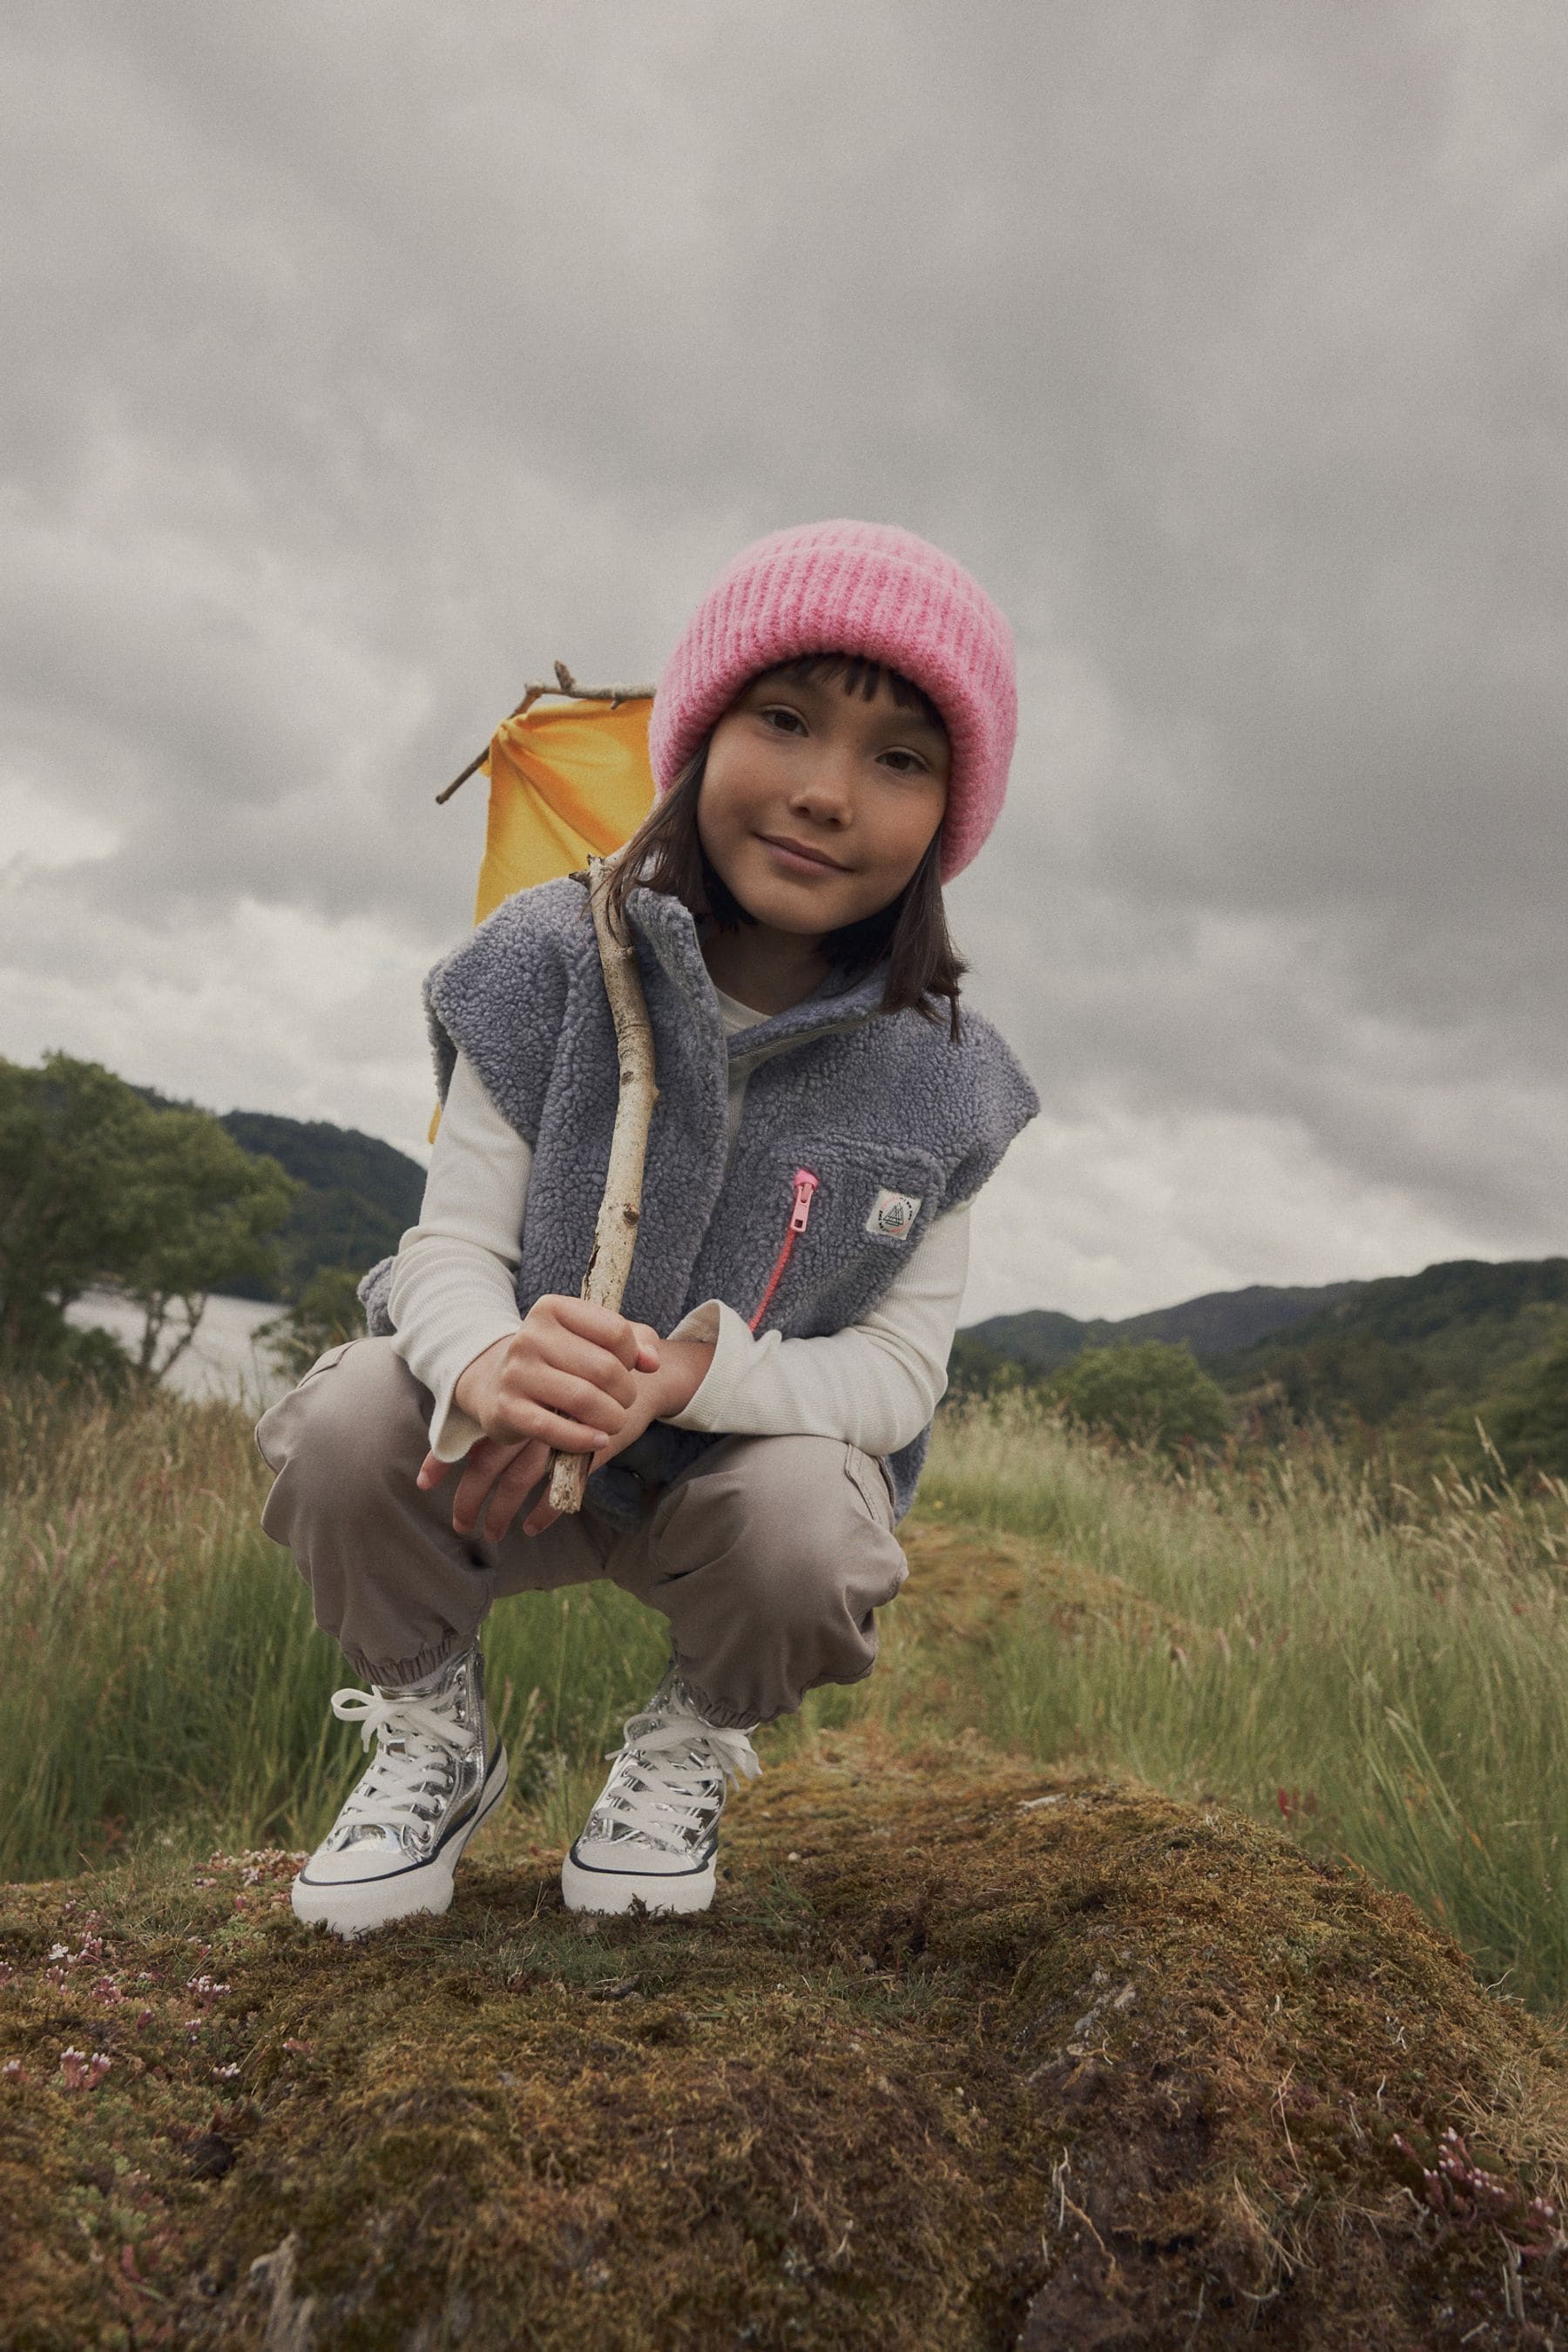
x,y
861,588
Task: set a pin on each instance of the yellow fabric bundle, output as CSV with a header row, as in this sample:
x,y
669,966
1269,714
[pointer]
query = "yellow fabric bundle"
x,y
567,781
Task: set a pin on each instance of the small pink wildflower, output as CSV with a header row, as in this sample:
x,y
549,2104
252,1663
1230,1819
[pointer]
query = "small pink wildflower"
x,y
82,2073
1467,2197
14,2070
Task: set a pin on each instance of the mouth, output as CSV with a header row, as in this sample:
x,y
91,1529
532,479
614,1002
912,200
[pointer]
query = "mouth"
x,y
797,856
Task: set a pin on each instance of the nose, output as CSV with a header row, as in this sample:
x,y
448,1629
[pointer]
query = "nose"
x,y
824,786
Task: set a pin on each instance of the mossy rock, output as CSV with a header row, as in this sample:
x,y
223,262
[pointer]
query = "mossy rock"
x,y
965,2056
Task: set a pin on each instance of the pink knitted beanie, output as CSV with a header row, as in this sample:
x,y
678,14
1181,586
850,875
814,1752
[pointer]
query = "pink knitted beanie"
x,y
853,588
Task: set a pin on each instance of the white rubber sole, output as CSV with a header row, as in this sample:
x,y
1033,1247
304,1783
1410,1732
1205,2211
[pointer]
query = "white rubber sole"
x,y
357,1906
610,1892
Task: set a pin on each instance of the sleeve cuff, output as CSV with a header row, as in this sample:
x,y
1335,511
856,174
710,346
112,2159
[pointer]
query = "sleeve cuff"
x,y
452,1430
733,1346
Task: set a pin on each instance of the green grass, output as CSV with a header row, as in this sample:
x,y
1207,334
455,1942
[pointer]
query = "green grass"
x,y
159,1675
1387,1674
1385,1671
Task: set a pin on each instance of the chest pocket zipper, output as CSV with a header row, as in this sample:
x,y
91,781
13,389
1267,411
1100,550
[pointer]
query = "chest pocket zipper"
x,y
806,1184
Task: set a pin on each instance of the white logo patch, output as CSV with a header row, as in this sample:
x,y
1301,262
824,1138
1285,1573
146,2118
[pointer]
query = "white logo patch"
x,y
893,1213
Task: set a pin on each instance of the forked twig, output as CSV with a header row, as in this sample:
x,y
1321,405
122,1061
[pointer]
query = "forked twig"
x,y
564,683
615,1233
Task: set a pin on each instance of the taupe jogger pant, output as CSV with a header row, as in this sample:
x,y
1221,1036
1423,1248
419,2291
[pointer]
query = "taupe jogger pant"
x,y
769,1557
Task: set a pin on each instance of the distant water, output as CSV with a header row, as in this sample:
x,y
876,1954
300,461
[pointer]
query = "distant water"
x,y
222,1360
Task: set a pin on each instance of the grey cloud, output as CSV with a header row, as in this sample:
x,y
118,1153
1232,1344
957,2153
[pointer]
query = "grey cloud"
x,y
368,360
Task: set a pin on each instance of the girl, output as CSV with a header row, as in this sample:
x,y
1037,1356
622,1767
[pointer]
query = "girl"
x,y
830,740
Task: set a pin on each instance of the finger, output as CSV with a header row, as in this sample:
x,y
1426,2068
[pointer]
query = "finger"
x,y
570,1399
468,1501
526,1475
432,1470
486,1463
512,1490
496,1481
580,1397
523,1419
601,1324
568,1351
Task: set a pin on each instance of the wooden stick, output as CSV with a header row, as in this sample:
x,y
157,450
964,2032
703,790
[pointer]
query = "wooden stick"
x,y
615,1233
564,684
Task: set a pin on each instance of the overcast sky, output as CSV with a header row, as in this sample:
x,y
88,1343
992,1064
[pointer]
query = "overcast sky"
x,y
365,356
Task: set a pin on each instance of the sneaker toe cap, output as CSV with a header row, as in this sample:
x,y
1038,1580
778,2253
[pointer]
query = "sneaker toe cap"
x,y
351,1865
629,1857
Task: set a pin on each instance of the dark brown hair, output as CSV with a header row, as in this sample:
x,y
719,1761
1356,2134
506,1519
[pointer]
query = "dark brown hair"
x,y
666,853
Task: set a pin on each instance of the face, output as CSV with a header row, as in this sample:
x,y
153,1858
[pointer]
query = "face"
x,y
817,806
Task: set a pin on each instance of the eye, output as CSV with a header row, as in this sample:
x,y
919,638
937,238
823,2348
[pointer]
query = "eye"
x,y
781,719
911,762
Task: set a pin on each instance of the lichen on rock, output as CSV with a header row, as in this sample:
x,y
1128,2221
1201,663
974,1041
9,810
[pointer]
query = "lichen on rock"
x,y
966,2055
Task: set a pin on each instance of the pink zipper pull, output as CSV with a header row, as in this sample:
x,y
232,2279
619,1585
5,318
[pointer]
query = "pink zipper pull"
x,y
805,1186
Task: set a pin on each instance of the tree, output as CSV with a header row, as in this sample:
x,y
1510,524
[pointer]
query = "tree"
x,y
975,1369
1528,1421
66,1138
326,1312
203,1213
1357,1374
1152,1394
96,1185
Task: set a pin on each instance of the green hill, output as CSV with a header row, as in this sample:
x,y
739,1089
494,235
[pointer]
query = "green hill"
x,y
1434,1308
1218,1324
1411,1349
361,1193
1415,1357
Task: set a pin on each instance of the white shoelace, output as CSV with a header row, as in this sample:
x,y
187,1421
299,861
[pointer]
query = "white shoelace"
x,y
671,1779
419,1739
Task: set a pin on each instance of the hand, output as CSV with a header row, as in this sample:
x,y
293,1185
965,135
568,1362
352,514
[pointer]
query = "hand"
x,y
564,1377
506,1470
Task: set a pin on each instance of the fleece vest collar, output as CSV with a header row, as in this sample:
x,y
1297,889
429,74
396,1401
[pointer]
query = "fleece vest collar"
x,y
670,932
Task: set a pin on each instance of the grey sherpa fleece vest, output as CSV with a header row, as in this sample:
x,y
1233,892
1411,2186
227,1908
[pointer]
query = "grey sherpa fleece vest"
x,y
883,1109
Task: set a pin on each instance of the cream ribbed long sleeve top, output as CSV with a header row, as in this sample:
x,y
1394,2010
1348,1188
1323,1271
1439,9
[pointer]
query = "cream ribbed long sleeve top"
x,y
874,1385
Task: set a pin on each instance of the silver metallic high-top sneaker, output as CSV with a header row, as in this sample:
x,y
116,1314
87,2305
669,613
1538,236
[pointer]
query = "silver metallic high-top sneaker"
x,y
436,1775
653,1836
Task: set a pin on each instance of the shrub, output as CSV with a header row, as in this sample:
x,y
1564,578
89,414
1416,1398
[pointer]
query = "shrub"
x,y
1528,1422
326,1312
1147,1395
